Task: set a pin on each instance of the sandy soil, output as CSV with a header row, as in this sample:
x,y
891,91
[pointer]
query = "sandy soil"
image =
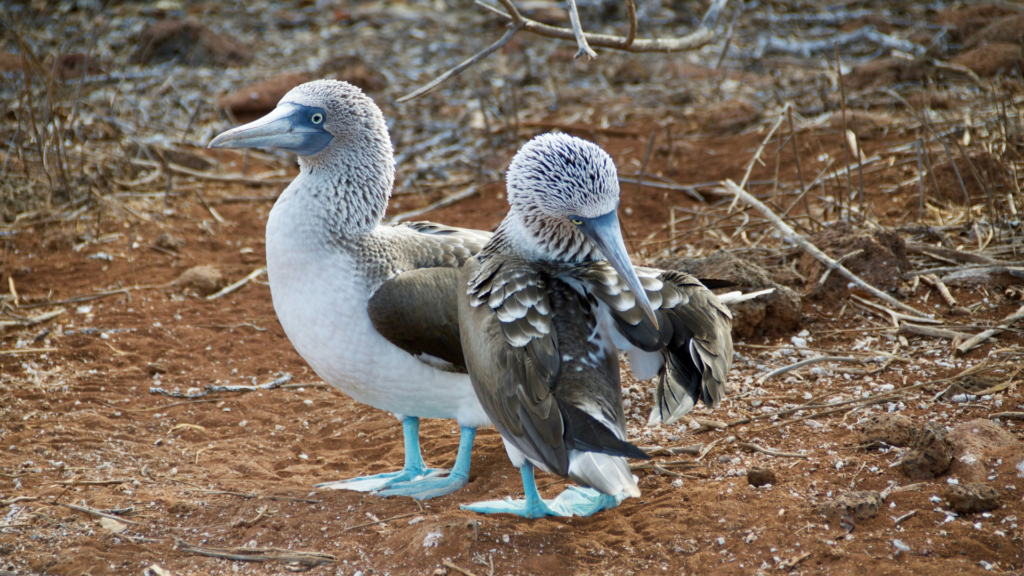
x,y
236,469
81,424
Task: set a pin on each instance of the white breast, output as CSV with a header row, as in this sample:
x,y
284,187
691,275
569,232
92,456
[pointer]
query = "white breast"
x,y
320,298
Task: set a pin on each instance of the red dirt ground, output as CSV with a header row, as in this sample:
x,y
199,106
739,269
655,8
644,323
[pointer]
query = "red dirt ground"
x,y
237,469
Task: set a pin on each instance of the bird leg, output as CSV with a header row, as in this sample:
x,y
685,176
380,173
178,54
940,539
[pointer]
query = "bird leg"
x,y
414,470
573,501
433,486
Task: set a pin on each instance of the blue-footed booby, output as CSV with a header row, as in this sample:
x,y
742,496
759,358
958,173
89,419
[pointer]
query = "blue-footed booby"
x,y
548,305
371,308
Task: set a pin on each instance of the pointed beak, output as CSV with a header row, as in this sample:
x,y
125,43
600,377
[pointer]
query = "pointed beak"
x,y
605,233
289,127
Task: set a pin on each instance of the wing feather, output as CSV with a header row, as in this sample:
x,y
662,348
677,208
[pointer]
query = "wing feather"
x,y
694,334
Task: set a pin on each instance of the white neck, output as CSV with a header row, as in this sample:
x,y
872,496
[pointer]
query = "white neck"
x,y
537,236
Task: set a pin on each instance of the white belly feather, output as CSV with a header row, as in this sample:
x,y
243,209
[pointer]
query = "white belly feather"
x,y
320,299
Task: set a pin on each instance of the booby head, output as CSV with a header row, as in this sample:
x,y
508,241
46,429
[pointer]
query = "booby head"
x,y
564,193
314,119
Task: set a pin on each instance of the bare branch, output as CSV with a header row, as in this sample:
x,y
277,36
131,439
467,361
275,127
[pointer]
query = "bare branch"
x,y
458,69
789,234
577,31
699,37
631,35
868,33
692,41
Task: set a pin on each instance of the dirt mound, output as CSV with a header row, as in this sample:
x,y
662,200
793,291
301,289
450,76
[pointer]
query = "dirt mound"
x,y
881,263
978,446
930,453
963,22
774,313
887,71
727,116
1009,29
991,170
191,43
971,498
891,429
631,71
990,59
262,97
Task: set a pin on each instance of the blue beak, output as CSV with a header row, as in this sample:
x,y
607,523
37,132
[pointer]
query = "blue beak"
x,y
605,233
290,127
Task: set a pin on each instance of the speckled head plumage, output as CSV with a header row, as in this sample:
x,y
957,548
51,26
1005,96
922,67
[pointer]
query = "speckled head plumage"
x,y
342,142
352,117
563,176
564,193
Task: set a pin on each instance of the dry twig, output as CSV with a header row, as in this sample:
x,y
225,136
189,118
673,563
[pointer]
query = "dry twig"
x,y
762,450
380,521
802,363
1004,325
448,563
702,36
229,289
791,235
258,554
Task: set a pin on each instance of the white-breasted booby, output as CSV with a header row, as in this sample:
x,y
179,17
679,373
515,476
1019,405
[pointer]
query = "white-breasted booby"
x,y
548,305
371,308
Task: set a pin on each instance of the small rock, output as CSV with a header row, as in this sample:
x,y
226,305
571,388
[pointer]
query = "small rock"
x,y
190,43
203,279
976,442
154,368
111,525
892,429
262,97
862,505
170,242
971,498
930,453
761,476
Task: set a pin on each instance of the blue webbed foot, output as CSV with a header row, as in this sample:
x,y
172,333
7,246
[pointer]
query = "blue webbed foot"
x,y
432,487
425,488
416,480
573,501
379,482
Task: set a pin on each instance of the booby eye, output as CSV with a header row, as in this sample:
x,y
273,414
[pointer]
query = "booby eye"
x,y
317,118
576,221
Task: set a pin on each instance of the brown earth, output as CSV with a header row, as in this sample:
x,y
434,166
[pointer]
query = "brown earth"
x,y
237,469
81,424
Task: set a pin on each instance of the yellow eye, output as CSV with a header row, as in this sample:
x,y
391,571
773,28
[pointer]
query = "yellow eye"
x,y
576,221
317,118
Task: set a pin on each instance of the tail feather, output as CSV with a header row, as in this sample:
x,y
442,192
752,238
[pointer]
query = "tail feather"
x,y
585,433
607,474
736,296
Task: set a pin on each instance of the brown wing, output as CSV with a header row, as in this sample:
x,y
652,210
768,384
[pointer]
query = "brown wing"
x,y
513,317
418,312
694,334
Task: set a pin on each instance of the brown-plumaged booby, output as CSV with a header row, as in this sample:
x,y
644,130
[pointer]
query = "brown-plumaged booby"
x,y
548,305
